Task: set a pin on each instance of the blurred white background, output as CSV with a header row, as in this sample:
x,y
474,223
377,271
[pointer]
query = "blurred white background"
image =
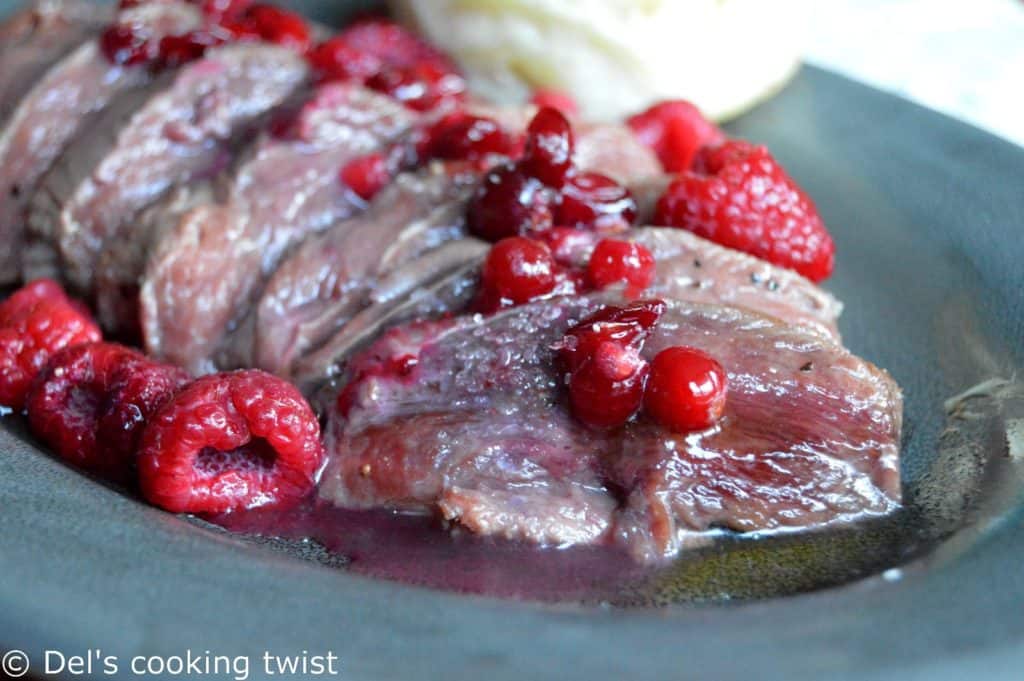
x,y
962,57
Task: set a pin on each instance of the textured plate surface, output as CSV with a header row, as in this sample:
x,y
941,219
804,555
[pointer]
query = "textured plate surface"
x,y
927,216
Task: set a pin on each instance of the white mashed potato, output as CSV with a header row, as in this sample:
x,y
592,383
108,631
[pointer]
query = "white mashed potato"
x,y
617,57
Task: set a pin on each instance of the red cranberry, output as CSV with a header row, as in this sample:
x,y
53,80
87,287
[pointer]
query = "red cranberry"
x,y
686,389
420,87
615,261
127,45
556,99
594,200
462,136
627,326
509,203
549,146
279,26
180,49
366,175
335,59
517,270
608,388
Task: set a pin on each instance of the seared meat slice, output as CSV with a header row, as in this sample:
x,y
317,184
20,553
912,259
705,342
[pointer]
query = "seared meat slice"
x,y
439,416
55,80
180,128
333,275
203,275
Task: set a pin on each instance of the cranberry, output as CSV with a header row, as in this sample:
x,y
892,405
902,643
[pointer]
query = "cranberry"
x,y
549,146
420,87
608,388
462,136
614,261
556,99
686,389
508,203
675,130
366,175
277,25
230,441
180,49
627,326
595,200
336,59
127,44
516,271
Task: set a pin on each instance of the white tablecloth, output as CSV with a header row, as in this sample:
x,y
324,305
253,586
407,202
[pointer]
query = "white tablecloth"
x,y
962,58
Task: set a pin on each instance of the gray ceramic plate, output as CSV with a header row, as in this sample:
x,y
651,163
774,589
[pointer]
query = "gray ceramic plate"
x,y
927,215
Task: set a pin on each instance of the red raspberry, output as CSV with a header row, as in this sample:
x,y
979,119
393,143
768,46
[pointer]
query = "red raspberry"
x,y
615,261
421,87
675,130
516,271
509,203
463,137
740,197
36,322
127,45
608,388
556,99
92,400
627,326
686,389
593,200
336,59
230,441
549,146
366,175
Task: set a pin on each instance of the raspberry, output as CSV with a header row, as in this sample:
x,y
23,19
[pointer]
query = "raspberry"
x,y
627,326
127,45
615,261
336,59
35,322
509,203
675,130
92,400
740,197
464,137
516,271
549,146
556,99
608,388
366,175
593,200
230,441
686,389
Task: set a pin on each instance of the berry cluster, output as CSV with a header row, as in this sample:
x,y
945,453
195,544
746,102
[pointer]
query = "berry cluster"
x,y
226,441
682,389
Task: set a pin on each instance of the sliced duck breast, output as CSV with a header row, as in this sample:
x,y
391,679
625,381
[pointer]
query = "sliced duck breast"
x,y
55,100
204,274
468,417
